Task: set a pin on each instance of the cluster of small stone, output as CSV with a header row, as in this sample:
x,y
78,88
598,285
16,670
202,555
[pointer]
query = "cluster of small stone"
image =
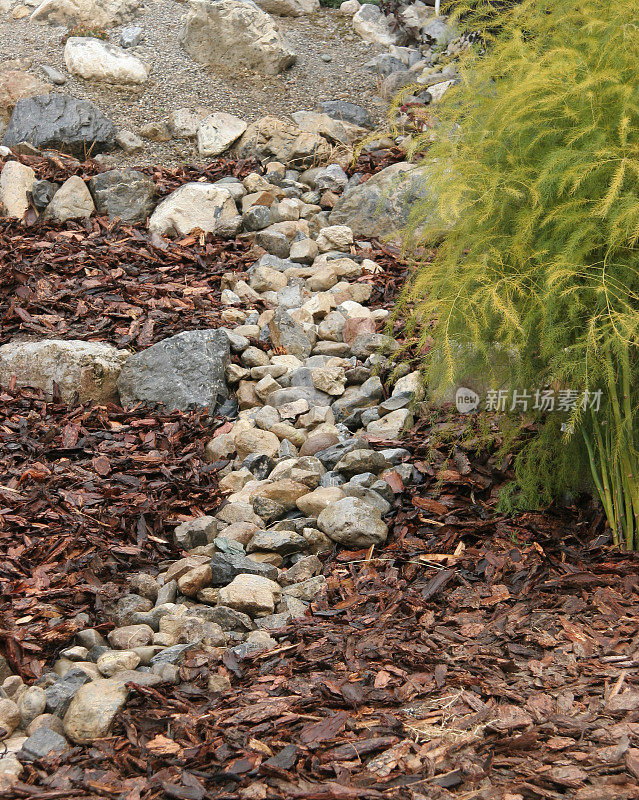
x,y
298,381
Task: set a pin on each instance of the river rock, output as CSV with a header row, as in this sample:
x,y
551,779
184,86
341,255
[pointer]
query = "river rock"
x,y
183,372
254,440
31,703
92,710
130,636
235,34
60,122
117,660
252,594
9,717
353,523
197,205
313,503
89,368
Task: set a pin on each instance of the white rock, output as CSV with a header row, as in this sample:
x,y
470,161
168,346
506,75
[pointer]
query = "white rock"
x,y
233,34
289,8
72,201
392,425
353,310
196,205
94,13
10,771
129,141
217,132
94,59
116,660
372,26
183,122
16,180
335,237
438,90
349,7
89,368
413,382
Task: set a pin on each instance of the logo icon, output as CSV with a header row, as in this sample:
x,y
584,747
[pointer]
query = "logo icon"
x,y
466,400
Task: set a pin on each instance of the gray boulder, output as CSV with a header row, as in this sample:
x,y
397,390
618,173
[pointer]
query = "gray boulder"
x,y
183,372
124,193
346,112
60,122
380,207
42,743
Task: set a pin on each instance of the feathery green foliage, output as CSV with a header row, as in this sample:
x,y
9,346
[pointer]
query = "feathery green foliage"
x,y
536,172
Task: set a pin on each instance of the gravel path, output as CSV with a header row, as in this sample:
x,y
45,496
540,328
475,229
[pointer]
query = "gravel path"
x,y
178,81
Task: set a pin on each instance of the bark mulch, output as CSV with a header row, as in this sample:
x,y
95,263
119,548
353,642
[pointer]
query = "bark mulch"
x,y
473,656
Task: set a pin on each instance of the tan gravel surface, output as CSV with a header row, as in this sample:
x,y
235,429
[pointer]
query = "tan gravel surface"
x,y
177,81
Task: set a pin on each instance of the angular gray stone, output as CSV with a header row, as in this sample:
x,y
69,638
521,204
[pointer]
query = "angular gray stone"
x,y
283,542
379,207
64,123
172,655
195,532
308,589
41,743
131,36
226,566
358,461
333,454
346,112
183,372
124,193
229,619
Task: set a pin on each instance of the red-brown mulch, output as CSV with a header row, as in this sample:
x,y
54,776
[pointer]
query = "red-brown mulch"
x,y
473,656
